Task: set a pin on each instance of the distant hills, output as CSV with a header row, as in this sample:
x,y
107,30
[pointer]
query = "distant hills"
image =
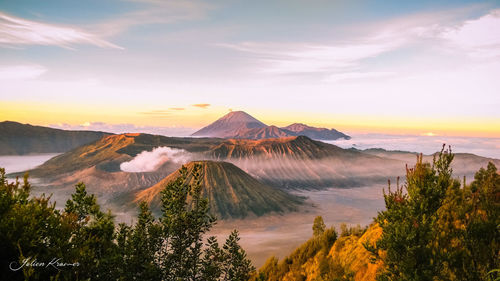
x,y
232,192
20,139
241,125
315,133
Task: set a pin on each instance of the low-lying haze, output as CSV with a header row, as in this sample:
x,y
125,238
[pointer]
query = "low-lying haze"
x,y
487,147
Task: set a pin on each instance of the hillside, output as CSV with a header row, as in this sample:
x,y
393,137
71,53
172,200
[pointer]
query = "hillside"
x,y
300,147
109,152
303,163
320,258
315,133
232,193
21,139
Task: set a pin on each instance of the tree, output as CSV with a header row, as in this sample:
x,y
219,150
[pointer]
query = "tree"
x,y
93,237
468,238
236,266
435,229
140,245
213,259
318,226
31,228
410,218
183,227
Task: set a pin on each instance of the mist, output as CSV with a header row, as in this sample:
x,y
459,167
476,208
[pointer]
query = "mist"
x,y
148,161
487,147
20,163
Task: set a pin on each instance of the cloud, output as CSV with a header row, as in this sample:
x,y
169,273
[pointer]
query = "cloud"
x,y
16,31
157,113
148,161
480,37
285,58
154,12
202,105
178,131
162,112
348,57
357,75
21,72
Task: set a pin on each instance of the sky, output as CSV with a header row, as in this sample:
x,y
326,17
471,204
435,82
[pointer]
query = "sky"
x,y
395,67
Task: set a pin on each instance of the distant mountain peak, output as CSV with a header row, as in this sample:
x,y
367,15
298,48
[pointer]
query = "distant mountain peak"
x,y
239,116
314,132
297,127
241,125
230,124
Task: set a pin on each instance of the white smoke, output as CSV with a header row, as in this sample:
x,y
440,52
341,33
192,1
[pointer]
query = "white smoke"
x,y
148,161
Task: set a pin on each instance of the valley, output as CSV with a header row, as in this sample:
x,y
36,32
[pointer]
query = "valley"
x,y
269,188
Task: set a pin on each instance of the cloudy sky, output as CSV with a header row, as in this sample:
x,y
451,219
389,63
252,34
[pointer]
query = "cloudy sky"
x,y
402,67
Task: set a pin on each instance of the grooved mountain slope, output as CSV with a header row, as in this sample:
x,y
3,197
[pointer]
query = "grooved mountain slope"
x,y
300,162
232,193
300,147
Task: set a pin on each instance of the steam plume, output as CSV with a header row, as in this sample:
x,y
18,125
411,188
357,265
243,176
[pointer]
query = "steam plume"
x,y
148,161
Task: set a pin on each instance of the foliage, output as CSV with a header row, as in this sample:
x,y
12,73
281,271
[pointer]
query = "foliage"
x,y
434,228
91,247
292,266
318,226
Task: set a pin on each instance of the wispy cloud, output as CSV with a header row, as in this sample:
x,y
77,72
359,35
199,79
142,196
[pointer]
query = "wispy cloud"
x,y
294,58
157,113
15,31
154,12
479,37
202,105
21,72
357,75
344,58
177,108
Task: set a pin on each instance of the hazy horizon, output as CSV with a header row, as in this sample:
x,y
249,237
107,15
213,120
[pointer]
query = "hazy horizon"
x,y
387,67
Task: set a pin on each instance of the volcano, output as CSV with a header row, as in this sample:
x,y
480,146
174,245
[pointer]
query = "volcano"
x,y
241,125
232,193
230,125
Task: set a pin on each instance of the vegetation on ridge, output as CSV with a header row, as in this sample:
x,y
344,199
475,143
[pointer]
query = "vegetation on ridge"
x,y
434,228
80,242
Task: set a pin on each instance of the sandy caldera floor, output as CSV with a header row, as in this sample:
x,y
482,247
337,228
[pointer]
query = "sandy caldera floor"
x,y
278,235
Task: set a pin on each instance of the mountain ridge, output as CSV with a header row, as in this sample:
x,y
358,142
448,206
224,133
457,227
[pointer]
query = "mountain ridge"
x,y
21,139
